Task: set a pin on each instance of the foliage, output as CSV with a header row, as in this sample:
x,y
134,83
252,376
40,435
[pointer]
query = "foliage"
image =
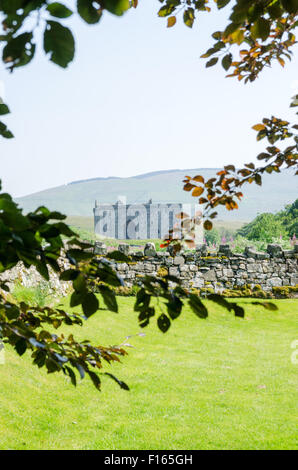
x,y
90,236
239,244
261,31
267,226
36,240
264,227
212,236
289,218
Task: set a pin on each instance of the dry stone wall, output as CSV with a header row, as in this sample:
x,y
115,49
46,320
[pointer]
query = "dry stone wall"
x,y
31,278
225,270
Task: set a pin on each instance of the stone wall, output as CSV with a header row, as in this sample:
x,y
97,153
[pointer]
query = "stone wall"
x,y
31,278
225,270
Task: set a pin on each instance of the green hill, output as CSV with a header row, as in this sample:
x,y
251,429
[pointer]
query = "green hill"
x,y
77,198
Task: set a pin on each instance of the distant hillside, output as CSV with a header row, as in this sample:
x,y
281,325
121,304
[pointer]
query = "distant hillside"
x,y
77,198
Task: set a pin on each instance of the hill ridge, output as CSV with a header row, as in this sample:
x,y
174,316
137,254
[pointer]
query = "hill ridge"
x,y
78,197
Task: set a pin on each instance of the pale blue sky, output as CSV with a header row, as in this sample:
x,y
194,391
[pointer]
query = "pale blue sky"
x,y
136,99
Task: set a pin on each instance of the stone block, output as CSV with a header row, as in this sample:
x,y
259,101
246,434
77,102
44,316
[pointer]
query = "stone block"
x,y
228,272
251,268
198,283
150,249
193,268
100,248
274,249
173,271
289,254
124,248
274,282
210,276
179,261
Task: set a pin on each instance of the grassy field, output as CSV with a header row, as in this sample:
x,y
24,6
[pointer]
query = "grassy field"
x,y
222,383
84,227
87,223
81,222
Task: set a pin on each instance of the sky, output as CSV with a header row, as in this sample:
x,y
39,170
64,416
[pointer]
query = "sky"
x,y
137,98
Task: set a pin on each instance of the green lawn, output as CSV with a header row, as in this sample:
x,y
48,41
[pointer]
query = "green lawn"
x,y
221,383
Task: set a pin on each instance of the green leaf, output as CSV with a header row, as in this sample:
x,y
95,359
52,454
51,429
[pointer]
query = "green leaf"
x,y
43,270
10,6
163,323
21,346
80,369
109,276
212,62
57,215
230,29
88,12
69,275
117,7
216,35
189,17
227,61
260,29
58,10
258,179
76,299
222,3
79,283
90,304
19,50
64,229
167,9
290,6
5,132
4,109
79,255
71,375
118,256
59,43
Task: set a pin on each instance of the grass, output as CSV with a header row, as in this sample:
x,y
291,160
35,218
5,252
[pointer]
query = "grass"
x,y
91,237
81,222
38,295
84,227
87,223
222,383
